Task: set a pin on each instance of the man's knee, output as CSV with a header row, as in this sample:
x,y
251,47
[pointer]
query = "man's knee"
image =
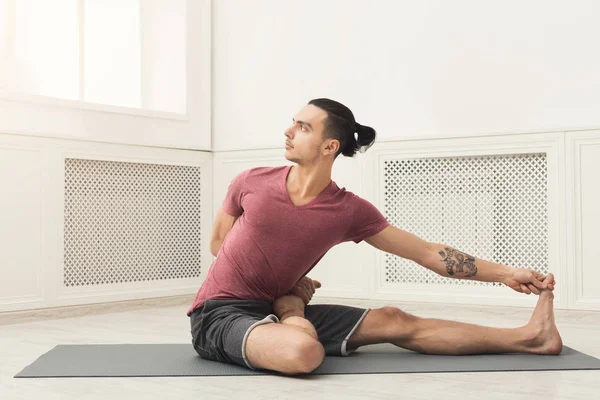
x,y
302,324
306,355
283,348
399,321
396,314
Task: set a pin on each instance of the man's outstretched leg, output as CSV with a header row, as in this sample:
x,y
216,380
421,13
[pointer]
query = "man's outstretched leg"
x,y
434,336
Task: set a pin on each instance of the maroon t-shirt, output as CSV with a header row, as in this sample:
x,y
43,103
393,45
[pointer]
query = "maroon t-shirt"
x,y
274,243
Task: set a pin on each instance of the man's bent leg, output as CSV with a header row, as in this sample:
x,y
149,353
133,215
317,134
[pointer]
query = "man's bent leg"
x,y
433,336
283,347
247,333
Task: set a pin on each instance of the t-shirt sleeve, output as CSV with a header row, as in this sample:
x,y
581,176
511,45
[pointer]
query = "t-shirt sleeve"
x,y
232,204
367,221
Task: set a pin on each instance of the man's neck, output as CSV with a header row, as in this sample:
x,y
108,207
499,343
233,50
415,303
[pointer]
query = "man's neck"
x,y
307,182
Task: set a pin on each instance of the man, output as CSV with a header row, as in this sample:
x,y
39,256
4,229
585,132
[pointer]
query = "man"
x,y
275,225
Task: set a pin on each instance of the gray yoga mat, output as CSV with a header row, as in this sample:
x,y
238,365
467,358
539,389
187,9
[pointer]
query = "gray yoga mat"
x,y
135,360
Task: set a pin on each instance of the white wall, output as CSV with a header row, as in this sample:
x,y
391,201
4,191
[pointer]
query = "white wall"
x,y
415,68
410,69
38,134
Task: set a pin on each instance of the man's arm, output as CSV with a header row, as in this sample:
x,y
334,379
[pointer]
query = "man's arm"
x,y
453,263
223,224
440,258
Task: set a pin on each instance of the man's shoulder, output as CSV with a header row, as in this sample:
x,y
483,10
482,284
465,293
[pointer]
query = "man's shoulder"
x,y
266,170
347,197
354,199
262,172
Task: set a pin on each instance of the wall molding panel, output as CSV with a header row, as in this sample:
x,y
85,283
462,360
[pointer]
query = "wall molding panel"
x,y
583,218
34,172
477,153
540,186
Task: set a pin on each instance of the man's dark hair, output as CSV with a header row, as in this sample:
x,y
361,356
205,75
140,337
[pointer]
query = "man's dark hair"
x,y
341,125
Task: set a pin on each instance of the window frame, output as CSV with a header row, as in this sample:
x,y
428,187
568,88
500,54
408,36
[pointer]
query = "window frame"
x,y
189,130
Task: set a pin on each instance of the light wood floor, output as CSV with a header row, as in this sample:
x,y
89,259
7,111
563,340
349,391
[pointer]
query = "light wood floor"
x,y
25,336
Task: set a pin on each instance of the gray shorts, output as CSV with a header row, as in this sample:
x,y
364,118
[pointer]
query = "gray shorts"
x,y
220,328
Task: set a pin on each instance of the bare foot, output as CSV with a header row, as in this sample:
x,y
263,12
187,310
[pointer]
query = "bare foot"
x,y
545,338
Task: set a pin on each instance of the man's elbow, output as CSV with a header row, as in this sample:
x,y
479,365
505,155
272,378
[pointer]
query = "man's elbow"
x,y
434,261
430,257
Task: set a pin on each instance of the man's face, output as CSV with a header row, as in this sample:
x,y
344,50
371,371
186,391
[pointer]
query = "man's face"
x,y
304,139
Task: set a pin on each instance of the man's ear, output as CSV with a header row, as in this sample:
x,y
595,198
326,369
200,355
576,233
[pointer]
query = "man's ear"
x,y
333,146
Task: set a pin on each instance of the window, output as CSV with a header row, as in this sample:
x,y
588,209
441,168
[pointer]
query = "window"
x,y
125,53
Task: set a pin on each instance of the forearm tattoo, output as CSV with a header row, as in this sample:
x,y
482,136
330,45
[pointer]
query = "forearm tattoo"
x,y
458,262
